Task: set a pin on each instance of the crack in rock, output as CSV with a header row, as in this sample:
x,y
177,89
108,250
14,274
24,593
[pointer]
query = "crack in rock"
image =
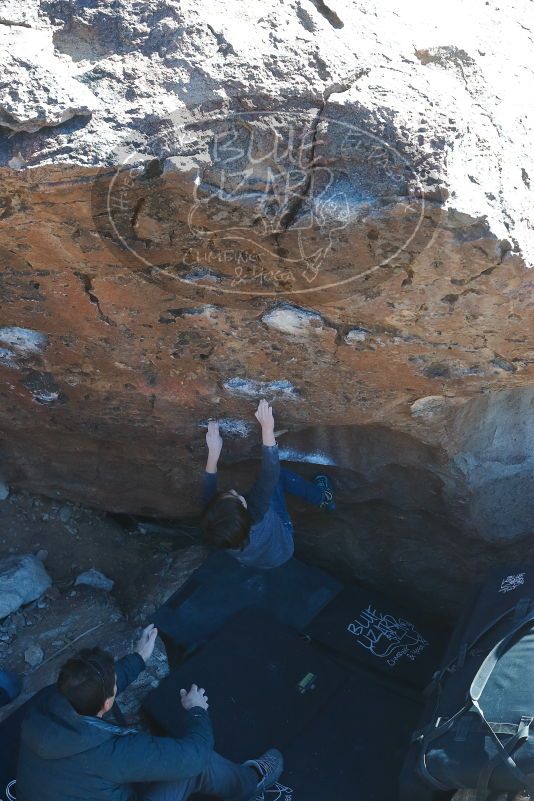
x,y
223,44
328,13
12,24
87,284
136,212
295,205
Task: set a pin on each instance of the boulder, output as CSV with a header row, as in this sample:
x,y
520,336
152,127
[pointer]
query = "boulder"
x,y
33,655
94,578
22,579
331,207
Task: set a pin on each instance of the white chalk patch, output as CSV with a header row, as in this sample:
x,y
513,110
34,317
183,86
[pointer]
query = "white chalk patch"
x,y
247,388
17,162
292,455
291,319
42,396
230,427
357,335
8,358
202,274
205,311
23,340
429,406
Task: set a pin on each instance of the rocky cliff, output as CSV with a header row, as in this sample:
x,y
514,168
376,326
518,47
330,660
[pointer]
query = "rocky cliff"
x,y
326,204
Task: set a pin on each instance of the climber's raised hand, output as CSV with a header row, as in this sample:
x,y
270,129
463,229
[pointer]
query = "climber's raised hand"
x,y
214,443
264,416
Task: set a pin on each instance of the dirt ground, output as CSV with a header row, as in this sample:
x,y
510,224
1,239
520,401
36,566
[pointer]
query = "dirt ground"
x,y
145,568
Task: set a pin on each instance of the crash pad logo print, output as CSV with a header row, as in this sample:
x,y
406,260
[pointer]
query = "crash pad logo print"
x,y
10,791
512,582
260,177
278,792
386,636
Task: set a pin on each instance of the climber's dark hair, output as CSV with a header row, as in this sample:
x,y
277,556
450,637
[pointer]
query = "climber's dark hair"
x,y
225,523
87,680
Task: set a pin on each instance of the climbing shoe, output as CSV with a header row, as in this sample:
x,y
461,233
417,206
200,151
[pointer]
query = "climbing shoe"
x,y
269,767
327,487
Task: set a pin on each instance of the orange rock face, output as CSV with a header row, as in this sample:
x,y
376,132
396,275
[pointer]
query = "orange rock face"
x,y
317,250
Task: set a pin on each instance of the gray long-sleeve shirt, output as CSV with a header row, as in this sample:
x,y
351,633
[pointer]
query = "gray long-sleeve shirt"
x,y
270,542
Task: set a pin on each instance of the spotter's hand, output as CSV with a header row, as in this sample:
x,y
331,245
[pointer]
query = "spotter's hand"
x,y
195,697
146,643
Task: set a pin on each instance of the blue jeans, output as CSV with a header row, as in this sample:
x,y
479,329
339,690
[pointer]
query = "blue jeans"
x,y
223,779
295,485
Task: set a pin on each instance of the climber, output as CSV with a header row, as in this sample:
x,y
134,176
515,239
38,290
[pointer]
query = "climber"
x,y
256,528
69,752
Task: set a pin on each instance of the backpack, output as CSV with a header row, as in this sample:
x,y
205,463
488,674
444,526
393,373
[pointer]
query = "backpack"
x,y
480,711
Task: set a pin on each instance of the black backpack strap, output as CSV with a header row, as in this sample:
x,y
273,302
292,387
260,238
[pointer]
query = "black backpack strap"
x,y
475,691
504,754
488,665
431,733
519,613
522,609
426,737
466,647
482,677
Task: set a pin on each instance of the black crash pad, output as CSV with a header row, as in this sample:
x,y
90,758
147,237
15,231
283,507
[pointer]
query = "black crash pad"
x,y
295,593
265,684
366,628
355,747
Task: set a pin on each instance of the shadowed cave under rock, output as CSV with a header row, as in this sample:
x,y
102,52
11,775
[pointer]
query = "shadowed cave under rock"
x,y
420,522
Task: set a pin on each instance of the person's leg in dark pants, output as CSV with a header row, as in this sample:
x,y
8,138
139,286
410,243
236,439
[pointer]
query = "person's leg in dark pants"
x,y
278,502
228,780
169,791
295,485
221,778
301,487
